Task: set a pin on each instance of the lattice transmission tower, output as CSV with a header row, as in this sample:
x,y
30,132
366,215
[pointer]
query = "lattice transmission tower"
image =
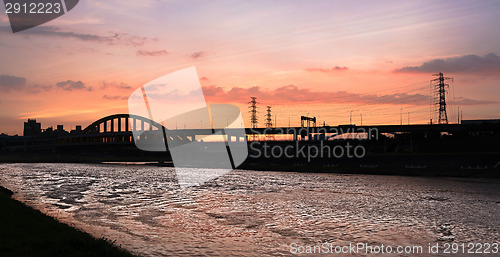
x,y
269,118
269,122
254,121
440,88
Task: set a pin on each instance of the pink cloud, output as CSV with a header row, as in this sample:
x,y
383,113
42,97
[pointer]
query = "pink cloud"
x,y
293,94
152,53
334,69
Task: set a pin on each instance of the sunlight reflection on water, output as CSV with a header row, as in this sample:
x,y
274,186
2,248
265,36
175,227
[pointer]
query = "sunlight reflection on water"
x,y
256,213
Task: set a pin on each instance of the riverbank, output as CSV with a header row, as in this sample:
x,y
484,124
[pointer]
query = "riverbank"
x,y
25,231
446,164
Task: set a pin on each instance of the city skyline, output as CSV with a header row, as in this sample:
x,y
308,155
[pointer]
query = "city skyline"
x,y
324,59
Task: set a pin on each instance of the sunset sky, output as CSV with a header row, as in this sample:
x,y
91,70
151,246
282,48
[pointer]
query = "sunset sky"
x,y
316,58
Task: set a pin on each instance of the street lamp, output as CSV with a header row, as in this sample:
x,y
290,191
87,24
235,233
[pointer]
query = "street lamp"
x,y
401,116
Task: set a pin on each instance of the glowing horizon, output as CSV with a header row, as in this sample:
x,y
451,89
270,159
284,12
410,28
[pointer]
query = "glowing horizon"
x,y
323,58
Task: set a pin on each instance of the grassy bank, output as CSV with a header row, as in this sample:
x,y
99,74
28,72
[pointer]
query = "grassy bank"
x,y
28,232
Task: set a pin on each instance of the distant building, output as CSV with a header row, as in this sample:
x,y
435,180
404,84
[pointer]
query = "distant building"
x,y
77,130
32,128
60,130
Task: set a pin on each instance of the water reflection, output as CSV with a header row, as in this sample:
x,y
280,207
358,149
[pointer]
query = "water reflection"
x,y
254,213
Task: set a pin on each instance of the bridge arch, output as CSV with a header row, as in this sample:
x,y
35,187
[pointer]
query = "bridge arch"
x,y
124,123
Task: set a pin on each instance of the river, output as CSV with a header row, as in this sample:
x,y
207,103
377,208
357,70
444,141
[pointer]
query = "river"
x,y
258,213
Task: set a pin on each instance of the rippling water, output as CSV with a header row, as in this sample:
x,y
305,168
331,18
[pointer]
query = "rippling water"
x,y
256,213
